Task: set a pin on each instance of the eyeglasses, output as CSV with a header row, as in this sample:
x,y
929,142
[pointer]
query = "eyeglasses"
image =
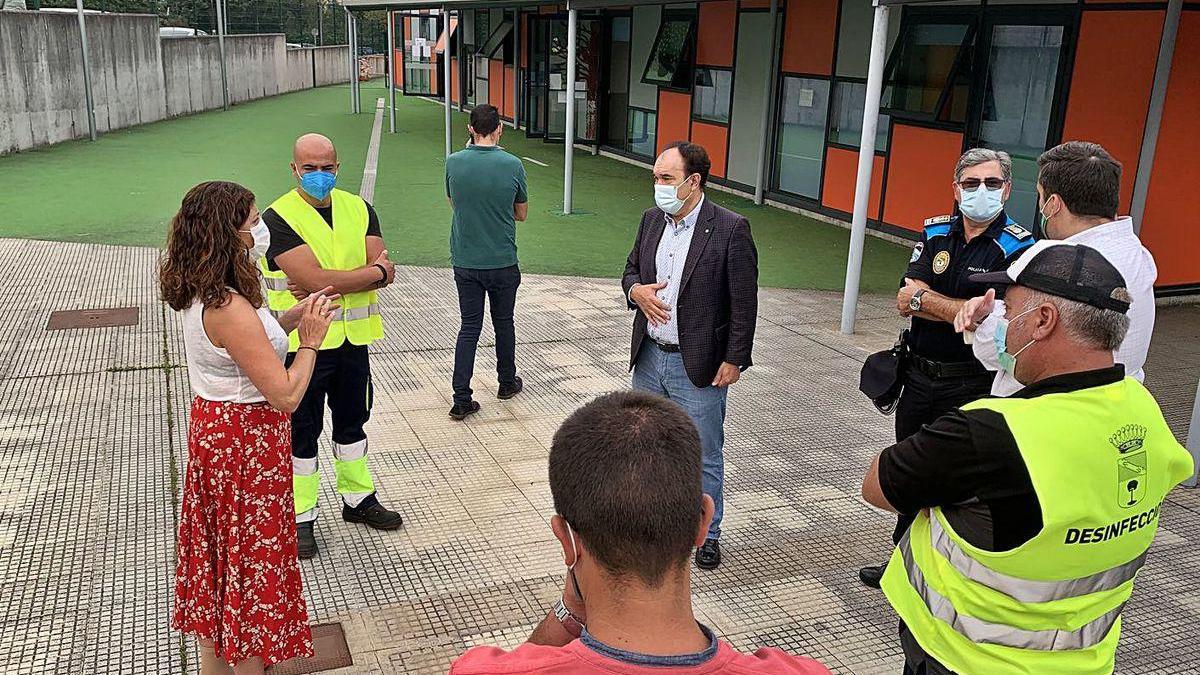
x,y
972,184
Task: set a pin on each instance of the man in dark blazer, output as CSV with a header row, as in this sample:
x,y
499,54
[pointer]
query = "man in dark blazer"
x,y
692,276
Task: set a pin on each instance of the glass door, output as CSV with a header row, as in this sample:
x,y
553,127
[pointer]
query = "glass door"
x,y
1018,98
536,92
615,106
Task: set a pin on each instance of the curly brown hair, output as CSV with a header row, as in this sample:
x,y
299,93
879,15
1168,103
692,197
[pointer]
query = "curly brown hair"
x,y
205,256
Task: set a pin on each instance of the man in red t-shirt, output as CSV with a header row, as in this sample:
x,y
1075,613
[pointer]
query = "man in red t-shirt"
x,y
625,476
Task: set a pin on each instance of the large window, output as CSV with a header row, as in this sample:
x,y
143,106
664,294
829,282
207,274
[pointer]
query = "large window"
x,y
712,94
419,70
499,44
670,62
845,122
929,74
642,129
801,149
1018,103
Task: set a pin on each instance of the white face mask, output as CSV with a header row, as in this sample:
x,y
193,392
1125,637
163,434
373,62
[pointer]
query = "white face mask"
x,y
667,198
262,240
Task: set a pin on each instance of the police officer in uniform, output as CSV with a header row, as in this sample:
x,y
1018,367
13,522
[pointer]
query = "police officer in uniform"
x,y
1034,513
325,238
942,372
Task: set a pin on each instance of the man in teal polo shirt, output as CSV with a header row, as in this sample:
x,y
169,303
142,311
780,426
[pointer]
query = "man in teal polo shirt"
x,y
486,189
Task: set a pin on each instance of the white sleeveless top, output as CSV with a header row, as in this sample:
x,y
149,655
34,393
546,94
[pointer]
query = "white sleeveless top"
x,y
213,374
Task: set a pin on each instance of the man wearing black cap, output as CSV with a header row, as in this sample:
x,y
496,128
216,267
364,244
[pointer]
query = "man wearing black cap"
x,y
1034,512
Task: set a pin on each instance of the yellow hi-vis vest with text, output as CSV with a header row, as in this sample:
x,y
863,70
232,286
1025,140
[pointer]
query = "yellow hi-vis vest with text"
x,y
1101,461
340,247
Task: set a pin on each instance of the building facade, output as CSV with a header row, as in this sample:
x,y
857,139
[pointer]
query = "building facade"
x,y
1014,76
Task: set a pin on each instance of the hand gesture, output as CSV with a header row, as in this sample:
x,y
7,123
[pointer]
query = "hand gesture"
x,y
645,296
298,292
388,266
975,310
727,374
314,322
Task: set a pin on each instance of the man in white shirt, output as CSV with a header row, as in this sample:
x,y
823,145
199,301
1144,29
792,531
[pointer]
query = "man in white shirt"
x,y
1079,186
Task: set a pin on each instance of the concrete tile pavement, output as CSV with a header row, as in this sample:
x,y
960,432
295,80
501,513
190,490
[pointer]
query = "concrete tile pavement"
x,y
92,444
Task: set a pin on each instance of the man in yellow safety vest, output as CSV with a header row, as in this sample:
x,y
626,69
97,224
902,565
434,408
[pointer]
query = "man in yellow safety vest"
x,y
320,238
1035,512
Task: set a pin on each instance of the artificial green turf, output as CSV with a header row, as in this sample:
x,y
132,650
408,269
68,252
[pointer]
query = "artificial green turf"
x,y
125,188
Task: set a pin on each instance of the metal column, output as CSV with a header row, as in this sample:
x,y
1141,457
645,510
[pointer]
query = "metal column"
x,y
446,72
353,61
760,178
517,67
391,68
356,85
87,72
1193,439
1158,96
222,28
569,133
866,163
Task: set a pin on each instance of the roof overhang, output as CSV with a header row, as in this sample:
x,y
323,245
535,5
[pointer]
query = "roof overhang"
x,y
363,5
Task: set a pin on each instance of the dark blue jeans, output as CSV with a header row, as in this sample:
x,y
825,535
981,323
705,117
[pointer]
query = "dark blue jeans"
x,y
500,287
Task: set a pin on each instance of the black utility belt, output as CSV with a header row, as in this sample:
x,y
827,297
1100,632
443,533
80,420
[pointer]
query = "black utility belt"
x,y
941,369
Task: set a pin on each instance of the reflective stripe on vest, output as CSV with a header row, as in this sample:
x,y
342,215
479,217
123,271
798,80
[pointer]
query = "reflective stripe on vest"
x,y
1026,590
276,283
984,632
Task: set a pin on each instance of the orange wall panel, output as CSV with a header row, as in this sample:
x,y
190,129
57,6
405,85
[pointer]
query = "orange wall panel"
x,y
453,80
496,83
510,92
1168,227
809,29
920,173
841,174
718,22
715,139
674,117
407,29
1110,86
398,76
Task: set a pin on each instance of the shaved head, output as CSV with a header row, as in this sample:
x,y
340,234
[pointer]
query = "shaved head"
x,y
313,149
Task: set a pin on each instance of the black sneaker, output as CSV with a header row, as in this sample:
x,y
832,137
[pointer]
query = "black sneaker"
x,y
306,541
461,411
708,556
870,576
506,393
374,515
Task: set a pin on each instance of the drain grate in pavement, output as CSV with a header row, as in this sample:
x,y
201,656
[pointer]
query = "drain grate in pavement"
x,y
93,318
330,651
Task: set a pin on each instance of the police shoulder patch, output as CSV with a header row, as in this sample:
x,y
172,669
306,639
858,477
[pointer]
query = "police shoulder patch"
x,y
938,220
916,252
1017,231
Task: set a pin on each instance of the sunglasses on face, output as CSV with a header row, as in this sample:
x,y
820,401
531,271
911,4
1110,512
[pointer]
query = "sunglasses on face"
x,y
972,184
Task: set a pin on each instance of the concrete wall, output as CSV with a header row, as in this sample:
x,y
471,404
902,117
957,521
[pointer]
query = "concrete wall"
x,y
136,76
41,76
330,64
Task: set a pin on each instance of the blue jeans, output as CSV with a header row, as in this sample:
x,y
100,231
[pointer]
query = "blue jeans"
x,y
662,373
500,287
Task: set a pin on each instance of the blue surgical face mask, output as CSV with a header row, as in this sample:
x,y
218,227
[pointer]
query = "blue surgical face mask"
x,y
1008,362
318,184
981,204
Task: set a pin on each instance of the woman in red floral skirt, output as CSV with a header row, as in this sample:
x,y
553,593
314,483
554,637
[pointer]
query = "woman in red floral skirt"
x,y
237,583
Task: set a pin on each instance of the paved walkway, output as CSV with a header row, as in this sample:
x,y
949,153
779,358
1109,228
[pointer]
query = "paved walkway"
x,y
92,434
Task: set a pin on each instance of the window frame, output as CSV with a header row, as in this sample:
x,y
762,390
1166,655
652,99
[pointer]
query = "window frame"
x,y
972,18
835,83
630,110
687,57
728,104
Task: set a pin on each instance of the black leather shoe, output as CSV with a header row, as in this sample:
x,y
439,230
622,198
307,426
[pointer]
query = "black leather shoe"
x,y
306,542
871,575
708,556
373,515
460,412
506,393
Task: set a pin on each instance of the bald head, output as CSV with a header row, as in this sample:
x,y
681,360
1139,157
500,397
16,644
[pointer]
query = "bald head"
x,y
313,149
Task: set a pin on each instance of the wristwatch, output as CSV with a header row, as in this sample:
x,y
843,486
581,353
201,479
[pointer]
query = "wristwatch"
x,y
569,621
914,303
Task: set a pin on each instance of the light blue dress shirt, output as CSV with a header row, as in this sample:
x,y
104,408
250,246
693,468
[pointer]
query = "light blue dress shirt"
x,y
672,253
